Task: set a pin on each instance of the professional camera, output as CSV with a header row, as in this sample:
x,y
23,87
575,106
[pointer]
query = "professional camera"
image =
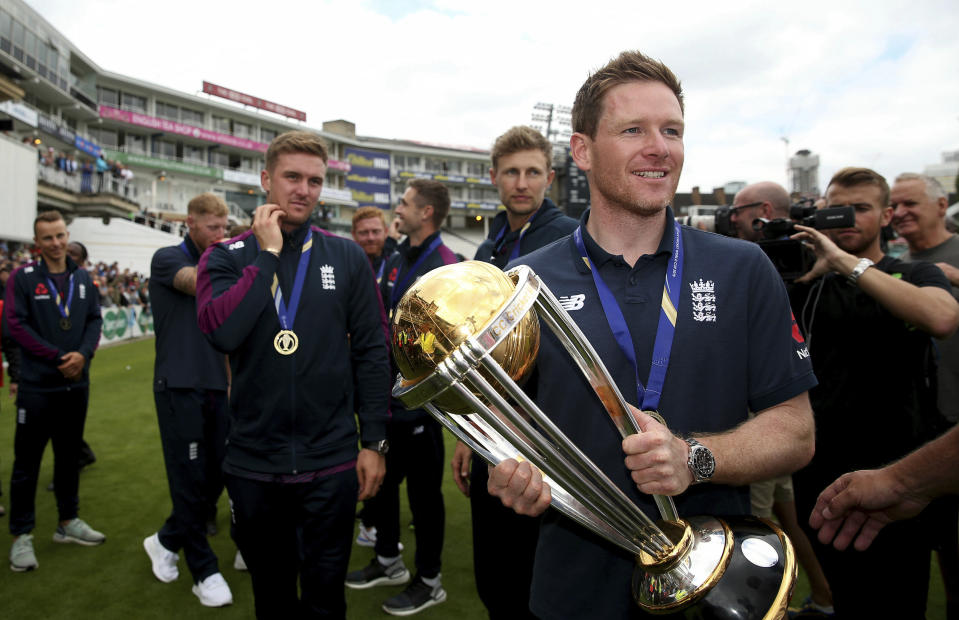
x,y
717,222
791,258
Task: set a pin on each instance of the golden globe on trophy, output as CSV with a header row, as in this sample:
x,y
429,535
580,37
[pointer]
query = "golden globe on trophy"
x,y
466,336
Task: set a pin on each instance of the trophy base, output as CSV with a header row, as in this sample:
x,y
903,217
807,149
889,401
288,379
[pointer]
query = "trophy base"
x,y
731,568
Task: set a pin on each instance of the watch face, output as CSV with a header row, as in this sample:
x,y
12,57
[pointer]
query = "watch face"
x,y
703,462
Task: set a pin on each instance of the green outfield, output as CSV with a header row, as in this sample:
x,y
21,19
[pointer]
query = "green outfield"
x,y
125,495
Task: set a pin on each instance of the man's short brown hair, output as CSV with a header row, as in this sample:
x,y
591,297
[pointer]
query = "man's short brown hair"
x,y
521,138
207,203
296,142
429,192
629,66
851,177
365,213
47,216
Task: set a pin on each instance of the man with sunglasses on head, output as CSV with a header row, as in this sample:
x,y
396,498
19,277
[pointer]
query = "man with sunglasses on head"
x,y
867,319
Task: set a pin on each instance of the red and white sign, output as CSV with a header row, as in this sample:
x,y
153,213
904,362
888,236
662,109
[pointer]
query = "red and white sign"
x,y
250,100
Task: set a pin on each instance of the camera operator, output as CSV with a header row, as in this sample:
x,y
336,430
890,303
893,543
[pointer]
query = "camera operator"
x,y
765,200
768,200
867,319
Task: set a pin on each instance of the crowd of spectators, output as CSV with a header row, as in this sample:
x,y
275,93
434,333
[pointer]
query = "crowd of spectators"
x,y
96,174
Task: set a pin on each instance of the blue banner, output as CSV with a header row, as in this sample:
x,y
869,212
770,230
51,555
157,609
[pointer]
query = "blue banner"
x,y
369,177
87,147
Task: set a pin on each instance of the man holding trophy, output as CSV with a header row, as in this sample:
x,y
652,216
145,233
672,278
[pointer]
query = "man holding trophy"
x,y
725,344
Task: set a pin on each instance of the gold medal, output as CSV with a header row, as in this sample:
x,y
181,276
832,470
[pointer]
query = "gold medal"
x,y
286,342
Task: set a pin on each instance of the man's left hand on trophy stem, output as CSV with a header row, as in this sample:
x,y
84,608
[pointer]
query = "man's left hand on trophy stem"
x,y
656,458
519,486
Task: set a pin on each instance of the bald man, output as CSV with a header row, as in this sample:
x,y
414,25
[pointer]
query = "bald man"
x,y
765,200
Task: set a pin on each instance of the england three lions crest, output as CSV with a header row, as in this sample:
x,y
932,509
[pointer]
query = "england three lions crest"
x,y
703,297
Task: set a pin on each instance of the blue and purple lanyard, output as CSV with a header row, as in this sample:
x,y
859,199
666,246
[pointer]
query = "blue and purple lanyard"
x,y
400,287
63,308
287,314
647,397
514,254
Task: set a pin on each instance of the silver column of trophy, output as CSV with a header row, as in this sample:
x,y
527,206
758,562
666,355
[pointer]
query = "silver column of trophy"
x,y
465,337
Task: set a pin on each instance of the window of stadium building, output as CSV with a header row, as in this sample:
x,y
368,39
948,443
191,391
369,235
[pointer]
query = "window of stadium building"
x,y
107,96
194,153
134,103
267,135
242,130
221,124
135,143
191,117
168,111
165,149
218,158
475,168
104,137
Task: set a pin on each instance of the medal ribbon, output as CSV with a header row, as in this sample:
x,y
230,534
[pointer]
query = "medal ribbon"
x,y
287,314
514,254
379,272
64,309
186,250
400,286
647,397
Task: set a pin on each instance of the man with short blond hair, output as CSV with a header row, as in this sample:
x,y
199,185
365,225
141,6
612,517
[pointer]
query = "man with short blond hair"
x,y
52,312
297,311
190,390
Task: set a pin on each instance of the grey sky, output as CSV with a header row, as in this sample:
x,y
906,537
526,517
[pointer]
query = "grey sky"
x,y
859,83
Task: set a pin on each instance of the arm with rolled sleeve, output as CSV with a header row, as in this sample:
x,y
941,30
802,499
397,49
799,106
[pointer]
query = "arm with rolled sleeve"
x,y
231,299
780,439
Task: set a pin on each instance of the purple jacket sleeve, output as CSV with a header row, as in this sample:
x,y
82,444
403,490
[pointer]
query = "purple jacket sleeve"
x,y
229,299
15,308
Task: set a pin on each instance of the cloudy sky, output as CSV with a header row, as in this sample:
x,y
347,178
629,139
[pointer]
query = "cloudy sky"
x,y
859,83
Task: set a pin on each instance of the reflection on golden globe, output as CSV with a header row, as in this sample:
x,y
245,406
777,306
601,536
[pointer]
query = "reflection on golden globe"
x,y
444,308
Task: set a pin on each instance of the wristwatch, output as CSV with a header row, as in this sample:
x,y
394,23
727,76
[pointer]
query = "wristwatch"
x,y
700,462
859,269
381,447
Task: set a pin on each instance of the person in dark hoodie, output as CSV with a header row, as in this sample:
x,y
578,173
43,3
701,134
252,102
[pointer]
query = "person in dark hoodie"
x,y
297,311
504,542
522,172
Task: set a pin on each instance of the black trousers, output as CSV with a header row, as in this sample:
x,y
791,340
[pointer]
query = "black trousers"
x,y
41,417
416,454
193,429
504,546
295,530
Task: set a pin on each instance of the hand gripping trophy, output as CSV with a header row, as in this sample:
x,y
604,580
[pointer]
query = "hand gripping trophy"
x,y
466,336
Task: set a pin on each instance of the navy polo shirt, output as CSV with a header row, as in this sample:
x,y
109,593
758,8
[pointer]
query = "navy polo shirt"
x,y
735,349
184,357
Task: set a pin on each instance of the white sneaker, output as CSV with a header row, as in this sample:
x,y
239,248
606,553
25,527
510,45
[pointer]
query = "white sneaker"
x,y
366,536
238,562
213,591
163,560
